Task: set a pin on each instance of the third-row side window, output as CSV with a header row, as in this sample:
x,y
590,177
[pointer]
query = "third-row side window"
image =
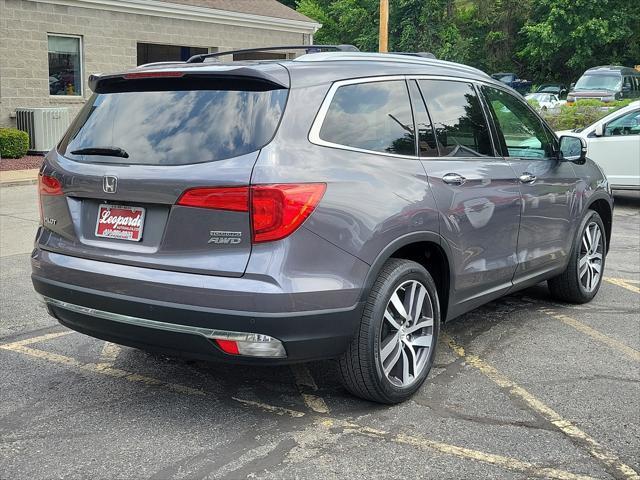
x,y
371,116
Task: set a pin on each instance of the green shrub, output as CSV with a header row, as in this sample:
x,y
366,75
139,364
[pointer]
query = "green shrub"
x,y
14,143
581,114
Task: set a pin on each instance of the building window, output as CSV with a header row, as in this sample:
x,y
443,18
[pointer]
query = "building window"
x,y
65,65
153,52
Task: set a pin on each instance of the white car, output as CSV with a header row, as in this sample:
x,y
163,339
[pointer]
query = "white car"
x,y
613,142
547,101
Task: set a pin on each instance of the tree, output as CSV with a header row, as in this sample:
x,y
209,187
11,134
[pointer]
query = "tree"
x,y
565,37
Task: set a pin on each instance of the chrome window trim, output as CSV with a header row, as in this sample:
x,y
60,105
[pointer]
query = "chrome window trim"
x,y
208,333
316,126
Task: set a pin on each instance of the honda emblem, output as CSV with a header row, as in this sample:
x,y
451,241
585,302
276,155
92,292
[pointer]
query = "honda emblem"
x,y
109,184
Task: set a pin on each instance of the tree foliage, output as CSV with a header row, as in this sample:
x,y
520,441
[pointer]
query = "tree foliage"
x,y
544,40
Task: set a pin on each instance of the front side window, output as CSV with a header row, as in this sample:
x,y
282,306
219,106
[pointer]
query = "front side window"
x,y
458,119
65,69
520,130
628,124
373,116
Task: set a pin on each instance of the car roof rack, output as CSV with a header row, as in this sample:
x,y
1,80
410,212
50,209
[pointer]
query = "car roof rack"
x,y
416,54
307,48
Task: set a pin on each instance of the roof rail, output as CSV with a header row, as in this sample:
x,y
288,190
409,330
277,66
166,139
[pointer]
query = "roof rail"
x,y
416,54
307,48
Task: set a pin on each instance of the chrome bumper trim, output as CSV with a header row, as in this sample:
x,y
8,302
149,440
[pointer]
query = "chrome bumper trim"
x,y
274,347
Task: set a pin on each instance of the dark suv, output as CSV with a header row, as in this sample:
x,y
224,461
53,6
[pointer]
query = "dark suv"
x,y
339,205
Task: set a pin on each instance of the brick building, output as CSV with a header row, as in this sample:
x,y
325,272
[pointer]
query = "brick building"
x,y
48,48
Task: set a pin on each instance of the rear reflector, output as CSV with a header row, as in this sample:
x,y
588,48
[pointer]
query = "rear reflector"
x,y
276,210
228,346
251,345
49,185
221,198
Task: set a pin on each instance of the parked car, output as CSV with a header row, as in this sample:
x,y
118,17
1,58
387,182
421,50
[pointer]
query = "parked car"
x,y
606,83
557,89
519,85
546,101
276,212
614,144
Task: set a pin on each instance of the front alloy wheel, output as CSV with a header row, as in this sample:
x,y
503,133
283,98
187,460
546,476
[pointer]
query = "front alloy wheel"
x,y
590,263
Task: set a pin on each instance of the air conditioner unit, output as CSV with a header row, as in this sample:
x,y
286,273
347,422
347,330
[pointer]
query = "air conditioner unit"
x,y
45,126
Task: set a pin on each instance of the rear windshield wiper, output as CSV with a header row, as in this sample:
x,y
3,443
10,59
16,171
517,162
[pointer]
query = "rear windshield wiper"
x,y
105,151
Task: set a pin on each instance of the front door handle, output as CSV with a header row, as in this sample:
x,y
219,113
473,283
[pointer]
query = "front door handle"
x,y
527,177
453,179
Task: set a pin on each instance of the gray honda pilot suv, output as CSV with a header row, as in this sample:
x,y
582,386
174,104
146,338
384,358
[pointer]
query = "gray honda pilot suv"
x,y
340,205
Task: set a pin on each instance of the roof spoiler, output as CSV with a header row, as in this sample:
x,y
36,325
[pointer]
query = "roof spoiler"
x,y
307,48
140,80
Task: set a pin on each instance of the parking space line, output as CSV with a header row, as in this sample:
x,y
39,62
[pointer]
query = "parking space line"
x,y
270,408
305,382
593,333
32,340
624,283
110,353
608,458
423,443
99,368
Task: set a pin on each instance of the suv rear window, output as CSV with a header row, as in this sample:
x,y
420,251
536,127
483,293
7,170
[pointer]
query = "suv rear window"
x,y
174,127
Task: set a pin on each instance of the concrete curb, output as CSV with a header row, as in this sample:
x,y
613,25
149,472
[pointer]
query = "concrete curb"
x,y
12,178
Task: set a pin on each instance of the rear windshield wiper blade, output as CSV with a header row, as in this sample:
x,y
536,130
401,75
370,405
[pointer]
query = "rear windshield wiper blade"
x,y
105,151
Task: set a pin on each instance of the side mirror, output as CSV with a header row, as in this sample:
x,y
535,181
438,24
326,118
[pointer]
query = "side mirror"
x,y
573,84
599,130
573,149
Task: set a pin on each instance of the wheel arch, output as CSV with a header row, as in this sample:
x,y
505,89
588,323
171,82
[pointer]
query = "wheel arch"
x,y
426,248
602,205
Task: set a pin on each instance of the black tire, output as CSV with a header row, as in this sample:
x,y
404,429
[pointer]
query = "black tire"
x,y
360,366
567,286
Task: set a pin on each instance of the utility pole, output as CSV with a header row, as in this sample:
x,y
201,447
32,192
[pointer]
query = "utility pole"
x,y
383,42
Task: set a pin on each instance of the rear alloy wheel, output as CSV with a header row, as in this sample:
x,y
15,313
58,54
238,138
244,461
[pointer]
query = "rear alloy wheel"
x,y
406,336
581,280
394,348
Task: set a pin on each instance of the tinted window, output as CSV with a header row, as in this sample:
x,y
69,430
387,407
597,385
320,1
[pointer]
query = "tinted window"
x,y
426,138
371,116
598,82
175,127
628,124
458,119
520,130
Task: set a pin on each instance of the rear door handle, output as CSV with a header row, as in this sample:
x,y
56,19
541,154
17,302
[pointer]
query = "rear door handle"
x,y
454,179
527,177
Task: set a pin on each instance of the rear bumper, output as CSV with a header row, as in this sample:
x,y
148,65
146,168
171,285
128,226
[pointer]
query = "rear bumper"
x,y
185,331
175,313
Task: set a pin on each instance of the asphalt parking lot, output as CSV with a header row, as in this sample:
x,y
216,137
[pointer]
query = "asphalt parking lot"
x,y
522,387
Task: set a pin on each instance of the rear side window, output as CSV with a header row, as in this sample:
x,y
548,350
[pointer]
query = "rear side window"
x,y
372,116
175,127
458,119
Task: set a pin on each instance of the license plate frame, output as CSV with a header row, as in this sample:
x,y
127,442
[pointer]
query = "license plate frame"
x,y
121,229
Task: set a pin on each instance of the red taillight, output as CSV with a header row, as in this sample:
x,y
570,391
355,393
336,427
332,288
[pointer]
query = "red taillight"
x,y
134,75
278,210
228,346
49,185
222,198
